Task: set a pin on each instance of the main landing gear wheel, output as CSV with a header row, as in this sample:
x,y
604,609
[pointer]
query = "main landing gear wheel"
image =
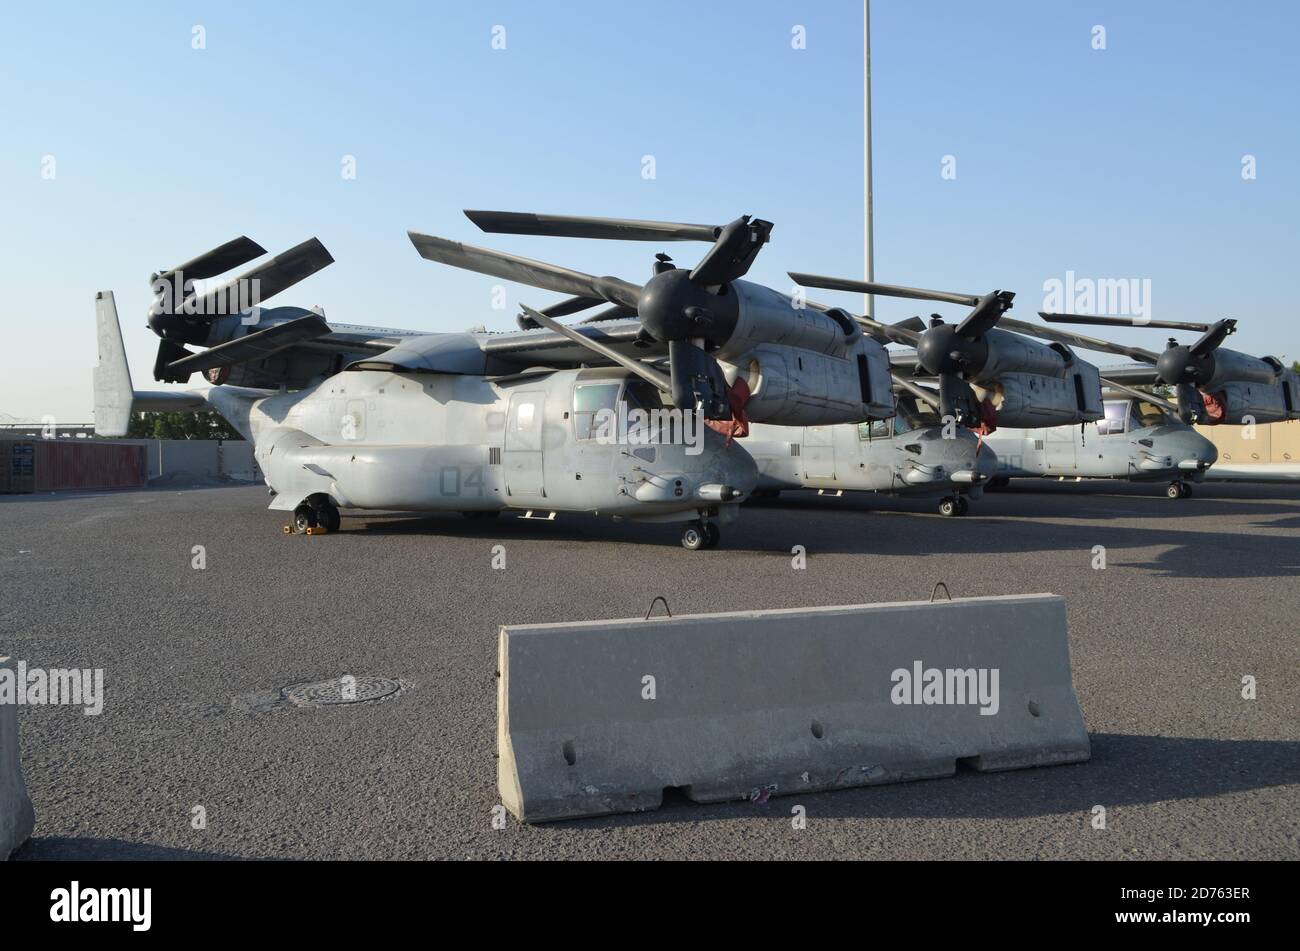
x,y
963,505
714,535
1178,490
304,517
949,507
327,516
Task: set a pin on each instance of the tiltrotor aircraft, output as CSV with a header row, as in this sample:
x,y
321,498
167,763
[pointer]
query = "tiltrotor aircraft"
x,y
364,417
1141,439
908,455
1213,385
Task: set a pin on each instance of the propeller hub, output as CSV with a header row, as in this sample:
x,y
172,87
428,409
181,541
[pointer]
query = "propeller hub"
x,y
942,350
672,307
1179,365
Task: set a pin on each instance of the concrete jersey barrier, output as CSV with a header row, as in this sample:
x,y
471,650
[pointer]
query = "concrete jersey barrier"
x,y
16,816
601,716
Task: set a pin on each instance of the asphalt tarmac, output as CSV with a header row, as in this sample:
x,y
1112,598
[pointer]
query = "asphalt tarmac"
x,y
1196,595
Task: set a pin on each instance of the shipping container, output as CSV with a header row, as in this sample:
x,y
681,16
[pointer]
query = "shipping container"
x,y
48,465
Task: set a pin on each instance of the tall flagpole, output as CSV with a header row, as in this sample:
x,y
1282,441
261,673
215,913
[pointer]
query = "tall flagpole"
x,y
870,264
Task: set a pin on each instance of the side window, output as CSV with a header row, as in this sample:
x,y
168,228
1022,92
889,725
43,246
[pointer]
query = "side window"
x,y
875,429
588,400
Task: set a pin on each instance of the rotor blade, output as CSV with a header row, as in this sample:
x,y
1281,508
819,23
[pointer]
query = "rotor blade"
x,y
985,315
1213,337
254,346
697,380
169,352
893,333
1149,397
920,392
260,284
914,324
881,290
653,377
957,399
579,226
217,261
1079,340
733,252
617,312
1120,322
509,267
563,309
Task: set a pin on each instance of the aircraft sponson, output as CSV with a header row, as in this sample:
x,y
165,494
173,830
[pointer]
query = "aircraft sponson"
x,y
600,717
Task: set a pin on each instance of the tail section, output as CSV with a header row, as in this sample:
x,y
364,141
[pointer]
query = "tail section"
x,y
115,398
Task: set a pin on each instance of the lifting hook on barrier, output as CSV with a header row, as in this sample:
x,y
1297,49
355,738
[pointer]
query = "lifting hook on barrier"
x,y
658,598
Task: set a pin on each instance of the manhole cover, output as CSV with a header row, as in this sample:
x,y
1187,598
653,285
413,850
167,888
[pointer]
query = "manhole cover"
x,y
341,690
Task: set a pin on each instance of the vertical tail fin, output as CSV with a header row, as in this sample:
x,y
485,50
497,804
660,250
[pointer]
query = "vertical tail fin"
x,y
113,390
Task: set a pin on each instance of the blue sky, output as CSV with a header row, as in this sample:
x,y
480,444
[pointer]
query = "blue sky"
x,y
1115,163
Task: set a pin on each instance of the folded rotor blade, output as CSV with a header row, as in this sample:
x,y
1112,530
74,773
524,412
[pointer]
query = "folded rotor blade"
x,y
881,290
1149,397
987,312
1079,340
579,226
655,378
258,285
254,346
510,267
901,333
617,312
1100,321
921,393
1213,337
217,261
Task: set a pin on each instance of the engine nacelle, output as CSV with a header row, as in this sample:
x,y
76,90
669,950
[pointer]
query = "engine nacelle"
x,y
804,367
1238,403
1032,400
1230,366
1010,353
790,386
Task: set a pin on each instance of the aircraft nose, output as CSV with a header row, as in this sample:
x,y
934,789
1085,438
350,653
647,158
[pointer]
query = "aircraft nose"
x,y
1191,450
737,468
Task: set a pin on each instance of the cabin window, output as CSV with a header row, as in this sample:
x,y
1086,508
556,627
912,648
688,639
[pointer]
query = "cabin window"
x,y
875,429
589,400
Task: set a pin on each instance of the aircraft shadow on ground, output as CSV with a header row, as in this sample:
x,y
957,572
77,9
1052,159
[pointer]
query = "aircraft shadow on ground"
x,y
1075,502
1125,770
835,529
87,849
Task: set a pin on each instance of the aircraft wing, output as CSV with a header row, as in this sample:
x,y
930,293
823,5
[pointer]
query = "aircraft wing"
x,y
1131,374
547,348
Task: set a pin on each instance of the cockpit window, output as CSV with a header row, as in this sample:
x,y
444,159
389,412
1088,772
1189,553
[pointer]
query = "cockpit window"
x,y
589,399
1146,415
913,414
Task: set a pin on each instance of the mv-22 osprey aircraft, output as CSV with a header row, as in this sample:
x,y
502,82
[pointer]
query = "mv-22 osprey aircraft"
x,y
361,417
